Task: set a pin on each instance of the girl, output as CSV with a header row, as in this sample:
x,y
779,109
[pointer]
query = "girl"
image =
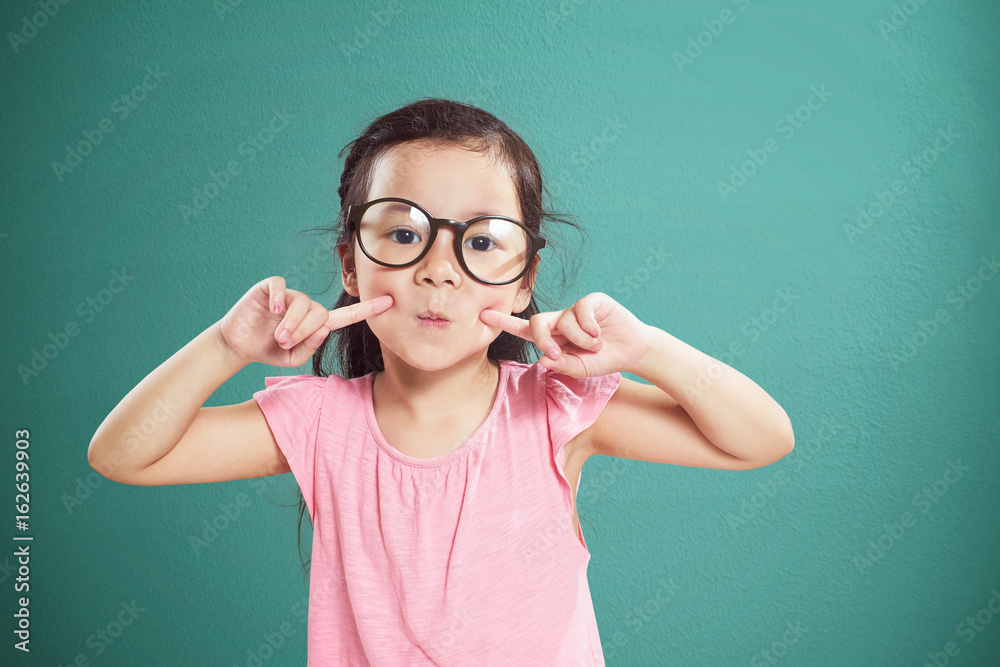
x,y
440,470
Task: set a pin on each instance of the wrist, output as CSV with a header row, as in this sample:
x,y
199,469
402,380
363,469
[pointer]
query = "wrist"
x,y
649,359
225,354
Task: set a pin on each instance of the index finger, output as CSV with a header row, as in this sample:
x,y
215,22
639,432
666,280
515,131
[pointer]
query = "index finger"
x,y
509,323
342,317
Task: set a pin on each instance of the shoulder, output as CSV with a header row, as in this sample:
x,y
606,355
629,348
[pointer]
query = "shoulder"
x,y
589,393
559,389
571,405
299,381
617,416
305,388
309,380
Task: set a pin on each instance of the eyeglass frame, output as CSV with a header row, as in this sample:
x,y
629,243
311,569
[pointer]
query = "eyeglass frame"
x,y
354,214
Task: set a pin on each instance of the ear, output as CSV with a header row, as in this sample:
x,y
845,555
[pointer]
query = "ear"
x,y
348,272
527,287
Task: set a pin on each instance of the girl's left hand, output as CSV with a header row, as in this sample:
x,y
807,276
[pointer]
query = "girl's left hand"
x,y
595,336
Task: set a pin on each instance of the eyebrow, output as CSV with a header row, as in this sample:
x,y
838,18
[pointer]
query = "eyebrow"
x,y
475,214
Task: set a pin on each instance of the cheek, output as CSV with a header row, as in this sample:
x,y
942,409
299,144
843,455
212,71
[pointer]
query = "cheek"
x,y
506,302
373,284
502,303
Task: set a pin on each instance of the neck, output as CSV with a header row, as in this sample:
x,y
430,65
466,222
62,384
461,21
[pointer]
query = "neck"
x,y
423,396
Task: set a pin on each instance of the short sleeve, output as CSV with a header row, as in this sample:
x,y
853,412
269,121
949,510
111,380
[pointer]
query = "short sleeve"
x,y
573,404
292,406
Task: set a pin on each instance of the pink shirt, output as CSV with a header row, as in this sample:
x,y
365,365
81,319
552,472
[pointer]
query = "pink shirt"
x,y
467,559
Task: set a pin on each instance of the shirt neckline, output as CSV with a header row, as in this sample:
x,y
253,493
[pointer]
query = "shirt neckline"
x,y
461,451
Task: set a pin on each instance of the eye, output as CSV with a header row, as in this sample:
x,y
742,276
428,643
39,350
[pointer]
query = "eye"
x,y
482,242
406,236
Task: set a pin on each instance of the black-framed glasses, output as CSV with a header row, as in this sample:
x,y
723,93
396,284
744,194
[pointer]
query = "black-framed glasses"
x,y
395,232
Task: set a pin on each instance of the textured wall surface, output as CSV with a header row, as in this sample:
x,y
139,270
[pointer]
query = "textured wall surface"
x,y
805,191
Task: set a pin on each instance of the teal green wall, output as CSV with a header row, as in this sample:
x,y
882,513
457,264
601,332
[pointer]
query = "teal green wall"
x,y
690,566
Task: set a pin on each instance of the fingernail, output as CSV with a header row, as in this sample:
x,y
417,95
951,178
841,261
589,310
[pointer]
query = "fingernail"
x,y
553,352
277,306
283,336
597,346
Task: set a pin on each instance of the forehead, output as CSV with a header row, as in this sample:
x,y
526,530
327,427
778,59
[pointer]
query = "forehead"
x,y
448,180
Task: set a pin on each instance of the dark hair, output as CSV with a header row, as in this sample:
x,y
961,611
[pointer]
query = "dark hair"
x,y
433,121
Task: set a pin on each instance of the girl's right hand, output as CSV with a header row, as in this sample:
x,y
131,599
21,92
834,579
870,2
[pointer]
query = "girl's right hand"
x,y
252,330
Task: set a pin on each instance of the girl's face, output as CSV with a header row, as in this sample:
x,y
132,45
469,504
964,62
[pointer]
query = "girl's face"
x,y
450,182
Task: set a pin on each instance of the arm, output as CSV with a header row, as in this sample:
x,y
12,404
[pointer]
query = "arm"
x,y
699,412
160,433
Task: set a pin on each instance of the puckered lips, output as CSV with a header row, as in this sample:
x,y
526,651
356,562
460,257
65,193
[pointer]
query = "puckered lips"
x,y
433,319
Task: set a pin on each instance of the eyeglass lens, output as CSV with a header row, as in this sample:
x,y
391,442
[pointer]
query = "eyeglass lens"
x,y
494,250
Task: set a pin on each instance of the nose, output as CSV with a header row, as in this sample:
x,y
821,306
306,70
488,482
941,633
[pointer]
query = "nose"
x,y
440,265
